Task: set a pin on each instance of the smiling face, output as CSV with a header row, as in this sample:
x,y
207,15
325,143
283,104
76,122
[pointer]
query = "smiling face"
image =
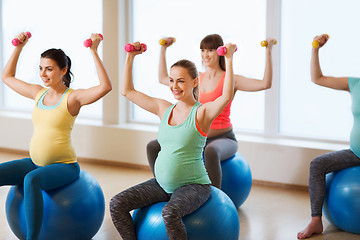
x,y
208,45
209,57
181,83
50,72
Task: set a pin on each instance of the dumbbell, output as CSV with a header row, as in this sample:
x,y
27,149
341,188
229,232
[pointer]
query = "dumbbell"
x,y
130,48
163,41
16,41
222,50
316,43
265,43
88,42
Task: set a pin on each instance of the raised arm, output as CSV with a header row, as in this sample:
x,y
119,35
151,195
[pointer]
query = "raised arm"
x,y
163,72
210,110
8,75
253,85
154,105
82,97
339,83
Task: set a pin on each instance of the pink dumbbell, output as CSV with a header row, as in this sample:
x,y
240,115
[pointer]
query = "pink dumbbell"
x,y
130,48
88,42
222,50
16,41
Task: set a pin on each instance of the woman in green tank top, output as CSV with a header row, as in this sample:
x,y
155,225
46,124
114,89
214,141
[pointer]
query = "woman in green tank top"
x,y
180,175
333,161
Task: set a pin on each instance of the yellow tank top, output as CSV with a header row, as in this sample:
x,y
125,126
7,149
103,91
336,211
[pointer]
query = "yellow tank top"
x,y
51,140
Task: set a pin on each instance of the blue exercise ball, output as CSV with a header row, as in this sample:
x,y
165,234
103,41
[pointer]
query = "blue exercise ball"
x,y
72,212
236,179
342,199
216,219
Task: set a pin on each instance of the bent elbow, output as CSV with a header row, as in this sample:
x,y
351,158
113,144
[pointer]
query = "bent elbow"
x,y
3,78
267,86
229,98
316,80
109,88
124,92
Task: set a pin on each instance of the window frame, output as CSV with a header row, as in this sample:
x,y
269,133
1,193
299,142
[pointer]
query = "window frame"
x,y
272,96
117,110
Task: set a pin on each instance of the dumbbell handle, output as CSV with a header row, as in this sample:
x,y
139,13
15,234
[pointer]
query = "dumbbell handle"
x,y
130,48
88,42
222,50
16,41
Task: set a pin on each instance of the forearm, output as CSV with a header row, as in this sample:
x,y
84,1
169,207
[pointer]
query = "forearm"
x,y
315,68
163,74
228,88
268,73
127,84
103,76
10,67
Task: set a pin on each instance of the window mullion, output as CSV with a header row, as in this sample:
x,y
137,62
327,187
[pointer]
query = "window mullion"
x,y
271,123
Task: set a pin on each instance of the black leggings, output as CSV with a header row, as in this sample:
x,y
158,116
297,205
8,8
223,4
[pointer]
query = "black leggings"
x,y
319,167
217,149
183,201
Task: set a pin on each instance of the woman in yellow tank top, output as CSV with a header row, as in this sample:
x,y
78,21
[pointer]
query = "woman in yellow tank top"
x,y
52,161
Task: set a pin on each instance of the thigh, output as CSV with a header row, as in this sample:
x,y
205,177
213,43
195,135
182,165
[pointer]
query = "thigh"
x,y
225,147
337,160
55,175
141,195
14,172
187,199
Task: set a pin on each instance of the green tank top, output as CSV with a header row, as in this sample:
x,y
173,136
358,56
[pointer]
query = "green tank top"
x,y
180,160
354,85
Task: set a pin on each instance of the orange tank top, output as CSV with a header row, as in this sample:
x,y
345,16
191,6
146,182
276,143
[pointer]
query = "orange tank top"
x,y
223,120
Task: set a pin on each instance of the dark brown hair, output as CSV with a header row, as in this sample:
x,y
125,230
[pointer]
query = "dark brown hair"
x,y
213,41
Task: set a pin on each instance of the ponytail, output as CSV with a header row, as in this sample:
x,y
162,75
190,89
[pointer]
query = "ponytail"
x,y
68,74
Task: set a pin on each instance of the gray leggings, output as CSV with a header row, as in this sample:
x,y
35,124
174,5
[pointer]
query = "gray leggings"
x,y
319,167
183,201
217,149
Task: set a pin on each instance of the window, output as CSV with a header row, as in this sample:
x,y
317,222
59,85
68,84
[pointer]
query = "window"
x,y
61,24
306,109
189,22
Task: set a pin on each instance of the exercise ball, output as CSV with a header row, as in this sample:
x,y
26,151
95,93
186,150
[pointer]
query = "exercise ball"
x,y
236,179
72,212
342,199
216,219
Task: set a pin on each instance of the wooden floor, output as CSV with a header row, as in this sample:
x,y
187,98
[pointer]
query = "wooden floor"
x,y
269,213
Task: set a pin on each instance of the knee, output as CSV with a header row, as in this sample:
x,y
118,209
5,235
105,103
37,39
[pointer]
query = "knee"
x,y
211,155
317,164
153,146
31,180
118,204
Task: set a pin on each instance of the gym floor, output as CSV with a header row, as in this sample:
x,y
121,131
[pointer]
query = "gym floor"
x,y
269,213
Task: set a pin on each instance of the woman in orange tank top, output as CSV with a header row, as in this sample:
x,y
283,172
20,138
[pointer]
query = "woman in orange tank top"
x,y
221,143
